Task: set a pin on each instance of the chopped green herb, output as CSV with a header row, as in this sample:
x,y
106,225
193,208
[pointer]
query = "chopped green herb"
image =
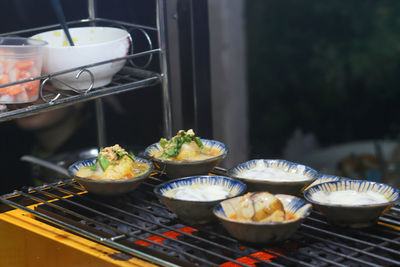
x,y
104,163
172,147
94,167
119,153
163,142
132,156
198,141
204,150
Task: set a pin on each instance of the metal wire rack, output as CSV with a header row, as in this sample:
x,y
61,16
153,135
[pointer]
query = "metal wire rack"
x,y
137,224
131,77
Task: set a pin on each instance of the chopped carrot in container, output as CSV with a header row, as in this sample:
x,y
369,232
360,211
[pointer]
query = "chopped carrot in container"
x,y
4,79
13,70
24,64
15,89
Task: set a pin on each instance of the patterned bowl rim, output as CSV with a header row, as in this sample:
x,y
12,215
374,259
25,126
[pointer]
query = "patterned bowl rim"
x,y
294,198
107,181
324,176
241,184
224,150
332,176
232,173
308,193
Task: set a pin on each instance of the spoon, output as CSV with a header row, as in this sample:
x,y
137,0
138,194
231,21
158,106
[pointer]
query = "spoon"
x,y
46,164
61,18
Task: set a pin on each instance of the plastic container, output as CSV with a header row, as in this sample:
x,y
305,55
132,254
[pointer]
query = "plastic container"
x,y
20,59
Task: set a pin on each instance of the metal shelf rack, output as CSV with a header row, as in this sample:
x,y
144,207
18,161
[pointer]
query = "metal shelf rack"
x,y
130,78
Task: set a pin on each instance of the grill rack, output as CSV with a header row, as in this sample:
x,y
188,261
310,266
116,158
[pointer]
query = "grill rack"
x,y
137,224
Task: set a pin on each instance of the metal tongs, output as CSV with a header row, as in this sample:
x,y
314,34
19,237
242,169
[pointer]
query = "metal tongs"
x,y
46,164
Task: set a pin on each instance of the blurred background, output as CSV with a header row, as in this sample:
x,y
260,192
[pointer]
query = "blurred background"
x,y
323,82
315,82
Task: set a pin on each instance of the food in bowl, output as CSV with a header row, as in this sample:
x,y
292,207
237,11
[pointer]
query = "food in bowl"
x,y
257,207
349,197
268,218
20,59
186,154
113,163
352,203
274,176
91,45
193,206
200,193
263,172
112,172
185,146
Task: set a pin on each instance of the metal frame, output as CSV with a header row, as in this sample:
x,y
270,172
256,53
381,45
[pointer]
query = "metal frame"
x,y
163,42
194,57
141,78
100,117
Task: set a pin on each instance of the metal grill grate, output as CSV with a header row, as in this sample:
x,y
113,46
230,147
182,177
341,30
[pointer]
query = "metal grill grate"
x,y
138,224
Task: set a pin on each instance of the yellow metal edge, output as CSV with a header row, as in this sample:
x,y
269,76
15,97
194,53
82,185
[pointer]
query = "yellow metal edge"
x,y
25,220
390,225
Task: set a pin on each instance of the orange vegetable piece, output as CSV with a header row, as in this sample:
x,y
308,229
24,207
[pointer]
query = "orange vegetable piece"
x,y
290,216
233,216
24,64
4,78
5,63
32,85
14,75
32,92
24,75
3,91
15,89
32,88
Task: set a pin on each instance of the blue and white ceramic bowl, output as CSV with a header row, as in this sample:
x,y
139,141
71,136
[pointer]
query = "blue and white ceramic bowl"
x,y
275,186
108,186
193,211
350,214
325,178
176,169
256,232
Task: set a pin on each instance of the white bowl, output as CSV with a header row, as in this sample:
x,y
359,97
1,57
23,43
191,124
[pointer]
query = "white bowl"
x,y
91,45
